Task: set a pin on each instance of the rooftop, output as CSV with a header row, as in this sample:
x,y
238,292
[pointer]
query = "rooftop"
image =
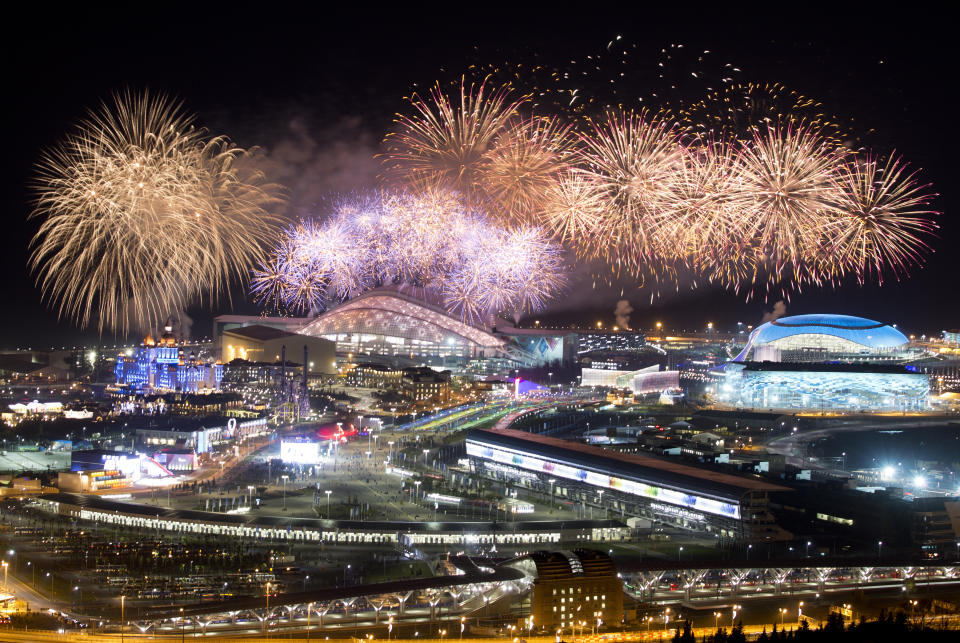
x,y
258,333
643,468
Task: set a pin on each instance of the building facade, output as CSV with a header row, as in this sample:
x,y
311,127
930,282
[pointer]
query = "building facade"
x,y
872,388
573,589
729,507
161,366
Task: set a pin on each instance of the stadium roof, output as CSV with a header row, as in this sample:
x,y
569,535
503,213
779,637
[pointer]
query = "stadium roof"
x,y
642,468
865,332
392,313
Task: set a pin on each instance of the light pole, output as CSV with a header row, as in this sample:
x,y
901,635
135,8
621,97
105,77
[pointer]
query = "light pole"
x,y
879,548
783,610
182,634
309,609
122,621
6,566
417,485
799,613
808,549
716,620
679,552
266,614
284,478
749,547
328,492
733,617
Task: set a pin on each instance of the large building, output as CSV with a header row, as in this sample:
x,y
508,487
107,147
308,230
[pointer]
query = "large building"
x,y
161,366
393,324
820,338
730,507
823,363
261,343
646,380
771,386
387,323
572,588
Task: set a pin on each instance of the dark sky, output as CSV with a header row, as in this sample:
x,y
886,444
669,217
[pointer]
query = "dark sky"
x,y
317,88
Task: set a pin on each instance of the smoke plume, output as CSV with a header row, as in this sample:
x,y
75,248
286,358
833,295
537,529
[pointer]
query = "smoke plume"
x,y
622,313
779,310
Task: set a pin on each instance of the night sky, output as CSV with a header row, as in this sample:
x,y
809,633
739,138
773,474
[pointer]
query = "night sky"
x,y
318,90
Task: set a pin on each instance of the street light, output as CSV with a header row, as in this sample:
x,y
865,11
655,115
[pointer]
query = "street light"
x,y
328,492
879,548
716,620
309,609
783,610
122,621
284,478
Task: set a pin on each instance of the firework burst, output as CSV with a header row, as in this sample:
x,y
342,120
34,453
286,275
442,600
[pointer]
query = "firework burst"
x,y
884,222
445,144
524,164
141,214
631,159
429,242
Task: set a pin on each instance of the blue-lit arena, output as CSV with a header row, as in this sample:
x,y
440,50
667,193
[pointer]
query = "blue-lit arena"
x,y
823,387
824,364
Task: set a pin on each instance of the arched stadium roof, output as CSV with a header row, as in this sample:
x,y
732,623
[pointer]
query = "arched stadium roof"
x,y
396,314
865,332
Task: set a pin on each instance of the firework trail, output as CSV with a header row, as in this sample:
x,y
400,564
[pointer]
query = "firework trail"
x,y
883,218
631,159
430,242
140,214
444,144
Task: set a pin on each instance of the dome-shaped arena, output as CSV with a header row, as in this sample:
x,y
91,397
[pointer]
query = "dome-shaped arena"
x,y
817,338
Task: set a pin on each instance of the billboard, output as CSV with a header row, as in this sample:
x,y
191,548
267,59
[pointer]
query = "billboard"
x,y
300,452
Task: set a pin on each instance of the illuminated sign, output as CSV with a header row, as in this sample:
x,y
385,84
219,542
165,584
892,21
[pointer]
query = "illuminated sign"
x,y
300,452
670,496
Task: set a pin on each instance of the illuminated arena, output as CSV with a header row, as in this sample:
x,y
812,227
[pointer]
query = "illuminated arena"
x,y
390,323
818,338
821,364
875,388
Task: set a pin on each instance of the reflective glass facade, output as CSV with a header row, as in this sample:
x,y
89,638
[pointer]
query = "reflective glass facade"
x,y
812,390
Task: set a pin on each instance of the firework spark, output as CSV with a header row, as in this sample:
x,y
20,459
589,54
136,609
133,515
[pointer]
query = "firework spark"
x,y
141,214
883,218
444,145
431,242
631,159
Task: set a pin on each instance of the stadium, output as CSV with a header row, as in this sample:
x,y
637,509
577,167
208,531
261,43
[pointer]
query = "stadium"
x,y
730,507
819,338
824,363
389,323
